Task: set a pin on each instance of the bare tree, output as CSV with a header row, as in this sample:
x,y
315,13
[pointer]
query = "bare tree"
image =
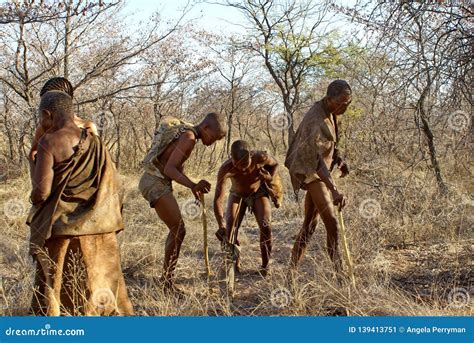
x,y
427,44
31,11
237,70
74,39
288,37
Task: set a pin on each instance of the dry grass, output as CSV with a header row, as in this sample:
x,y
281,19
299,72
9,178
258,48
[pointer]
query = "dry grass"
x,y
404,266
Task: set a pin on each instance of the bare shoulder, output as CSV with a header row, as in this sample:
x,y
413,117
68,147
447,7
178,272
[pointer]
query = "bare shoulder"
x,y
226,167
48,142
185,143
187,136
86,124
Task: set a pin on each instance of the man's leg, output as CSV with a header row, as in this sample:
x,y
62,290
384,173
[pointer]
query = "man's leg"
x,y
323,202
307,230
168,210
263,213
231,214
234,218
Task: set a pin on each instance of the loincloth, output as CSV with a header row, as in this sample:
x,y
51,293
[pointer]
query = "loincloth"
x,y
153,187
249,201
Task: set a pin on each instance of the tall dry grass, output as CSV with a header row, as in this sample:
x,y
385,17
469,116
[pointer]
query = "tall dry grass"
x,y
411,255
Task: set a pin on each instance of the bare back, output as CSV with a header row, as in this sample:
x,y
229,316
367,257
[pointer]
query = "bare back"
x,y
81,123
54,148
248,181
63,142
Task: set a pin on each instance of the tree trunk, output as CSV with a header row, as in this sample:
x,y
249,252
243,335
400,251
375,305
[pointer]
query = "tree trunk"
x,y
432,149
229,131
67,33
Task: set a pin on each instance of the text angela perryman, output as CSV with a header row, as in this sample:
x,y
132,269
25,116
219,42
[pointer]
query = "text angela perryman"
x,y
409,329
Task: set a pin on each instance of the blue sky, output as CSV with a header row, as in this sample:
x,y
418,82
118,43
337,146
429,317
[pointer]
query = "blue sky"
x,y
213,18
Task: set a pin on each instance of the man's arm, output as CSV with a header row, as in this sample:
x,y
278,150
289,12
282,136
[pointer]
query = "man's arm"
x,y
181,152
340,163
43,173
326,177
222,176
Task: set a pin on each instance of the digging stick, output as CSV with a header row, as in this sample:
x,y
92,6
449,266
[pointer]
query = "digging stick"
x,y
204,228
345,245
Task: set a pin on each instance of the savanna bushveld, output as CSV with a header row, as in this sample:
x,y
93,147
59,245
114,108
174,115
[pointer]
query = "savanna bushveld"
x,y
315,160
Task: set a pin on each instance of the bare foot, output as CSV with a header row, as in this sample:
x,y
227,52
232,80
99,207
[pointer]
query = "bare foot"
x,y
169,288
220,234
264,271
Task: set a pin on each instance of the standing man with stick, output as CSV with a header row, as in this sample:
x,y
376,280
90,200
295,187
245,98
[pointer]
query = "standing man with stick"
x,y
172,145
311,155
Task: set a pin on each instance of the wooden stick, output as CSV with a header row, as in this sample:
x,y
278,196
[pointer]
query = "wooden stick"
x,y
204,228
346,246
233,233
226,278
